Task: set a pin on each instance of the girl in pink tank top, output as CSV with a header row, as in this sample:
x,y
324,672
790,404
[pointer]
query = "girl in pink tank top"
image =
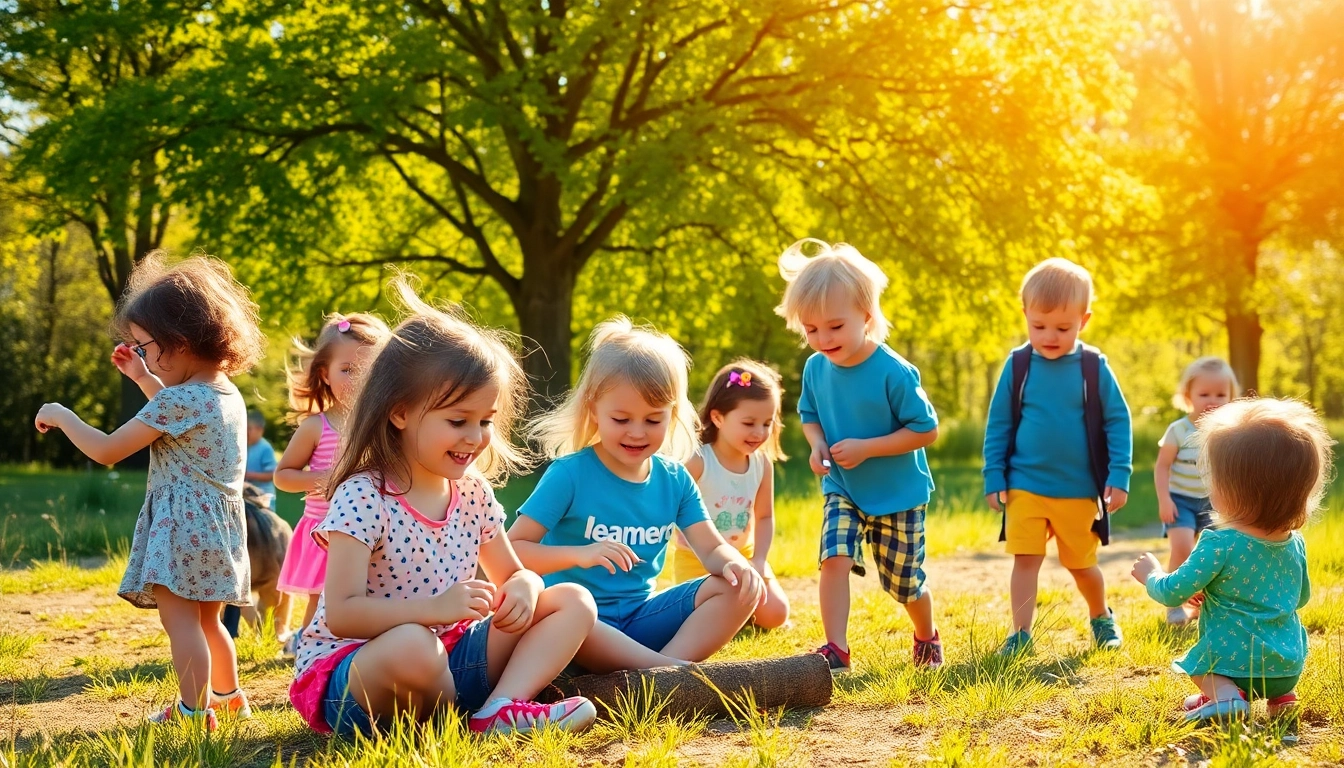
x,y
320,392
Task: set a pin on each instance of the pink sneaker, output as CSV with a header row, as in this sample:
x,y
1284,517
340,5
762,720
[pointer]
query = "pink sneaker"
x,y
177,710
573,714
234,704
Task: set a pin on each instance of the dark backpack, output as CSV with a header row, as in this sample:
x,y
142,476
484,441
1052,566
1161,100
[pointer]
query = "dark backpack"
x,y
1099,457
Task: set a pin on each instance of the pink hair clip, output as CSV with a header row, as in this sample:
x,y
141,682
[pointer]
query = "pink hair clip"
x,y
740,378
343,326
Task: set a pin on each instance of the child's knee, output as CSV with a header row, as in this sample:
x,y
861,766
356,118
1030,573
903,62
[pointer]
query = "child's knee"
x,y
570,599
772,615
418,652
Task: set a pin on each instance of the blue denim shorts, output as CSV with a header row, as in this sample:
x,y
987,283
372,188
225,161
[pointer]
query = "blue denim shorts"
x,y
466,661
1195,514
654,622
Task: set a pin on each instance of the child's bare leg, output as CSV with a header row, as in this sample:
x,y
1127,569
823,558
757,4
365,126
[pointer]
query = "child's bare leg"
x,y
834,589
718,615
522,663
223,655
921,615
775,612
181,619
1216,687
1182,543
608,649
403,669
1092,586
1022,590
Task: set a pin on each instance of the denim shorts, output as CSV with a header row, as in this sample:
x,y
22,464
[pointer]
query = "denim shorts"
x,y
1195,514
466,661
654,622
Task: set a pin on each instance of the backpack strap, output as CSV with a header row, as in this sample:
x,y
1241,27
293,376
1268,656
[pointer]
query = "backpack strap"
x,y
1020,362
1098,454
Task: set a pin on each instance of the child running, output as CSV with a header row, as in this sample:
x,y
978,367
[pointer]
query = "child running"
x,y
185,330
403,624
321,392
1266,463
604,512
1057,450
868,421
1182,497
734,468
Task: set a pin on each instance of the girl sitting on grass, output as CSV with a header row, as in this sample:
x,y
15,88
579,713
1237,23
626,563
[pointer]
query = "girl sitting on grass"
x,y
1266,463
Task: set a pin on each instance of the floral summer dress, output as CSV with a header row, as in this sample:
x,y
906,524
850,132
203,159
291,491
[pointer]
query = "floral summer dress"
x,y
191,535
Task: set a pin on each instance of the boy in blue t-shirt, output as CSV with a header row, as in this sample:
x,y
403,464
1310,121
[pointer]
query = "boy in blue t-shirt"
x,y
868,421
260,469
1046,486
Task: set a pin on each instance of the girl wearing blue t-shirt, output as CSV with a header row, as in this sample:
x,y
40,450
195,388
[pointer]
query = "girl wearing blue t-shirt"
x,y
604,512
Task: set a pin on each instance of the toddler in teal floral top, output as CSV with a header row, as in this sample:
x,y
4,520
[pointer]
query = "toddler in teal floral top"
x,y
1266,463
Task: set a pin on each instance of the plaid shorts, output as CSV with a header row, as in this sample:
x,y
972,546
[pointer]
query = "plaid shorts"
x,y
896,540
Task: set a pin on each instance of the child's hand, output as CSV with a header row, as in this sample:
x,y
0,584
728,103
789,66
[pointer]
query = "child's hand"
x,y
129,363
467,600
51,415
610,555
850,453
516,602
750,585
820,460
1115,499
1145,565
993,501
1166,509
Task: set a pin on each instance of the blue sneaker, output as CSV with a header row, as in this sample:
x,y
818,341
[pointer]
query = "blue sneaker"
x,y
1018,644
1219,711
1105,632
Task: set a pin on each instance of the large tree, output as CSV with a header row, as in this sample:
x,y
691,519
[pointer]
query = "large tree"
x,y
93,112
515,141
1243,103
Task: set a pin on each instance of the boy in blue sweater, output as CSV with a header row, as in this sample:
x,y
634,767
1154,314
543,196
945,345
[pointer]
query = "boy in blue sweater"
x,y
1041,476
868,421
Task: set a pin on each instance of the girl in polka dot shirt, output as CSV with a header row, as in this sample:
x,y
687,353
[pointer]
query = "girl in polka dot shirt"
x,y
403,624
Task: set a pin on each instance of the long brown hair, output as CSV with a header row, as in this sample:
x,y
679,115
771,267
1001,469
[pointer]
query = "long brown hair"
x,y
743,379
309,392
195,306
433,359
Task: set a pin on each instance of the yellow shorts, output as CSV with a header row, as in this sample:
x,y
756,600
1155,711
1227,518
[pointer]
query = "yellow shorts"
x,y
686,566
1033,519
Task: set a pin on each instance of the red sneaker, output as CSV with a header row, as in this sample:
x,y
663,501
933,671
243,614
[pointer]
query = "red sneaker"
x,y
177,711
838,659
929,653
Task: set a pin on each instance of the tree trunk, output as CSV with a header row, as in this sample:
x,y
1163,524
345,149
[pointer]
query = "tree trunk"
x,y
1243,345
545,308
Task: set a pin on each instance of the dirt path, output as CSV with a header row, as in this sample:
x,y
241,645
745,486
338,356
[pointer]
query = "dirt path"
x,y
93,634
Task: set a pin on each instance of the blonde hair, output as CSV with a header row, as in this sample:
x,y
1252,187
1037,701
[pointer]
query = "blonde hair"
x,y
619,352
754,381
309,392
434,358
1057,283
1267,460
1204,366
814,280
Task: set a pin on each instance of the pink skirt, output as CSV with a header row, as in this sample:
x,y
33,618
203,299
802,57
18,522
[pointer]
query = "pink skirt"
x,y
305,568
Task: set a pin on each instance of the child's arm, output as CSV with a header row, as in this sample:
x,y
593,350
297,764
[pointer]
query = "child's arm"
x,y
912,410
852,452
290,474
1119,439
525,535
1175,588
721,558
820,459
351,613
998,430
1166,456
516,597
764,510
696,466
134,369
99,446
1305,595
